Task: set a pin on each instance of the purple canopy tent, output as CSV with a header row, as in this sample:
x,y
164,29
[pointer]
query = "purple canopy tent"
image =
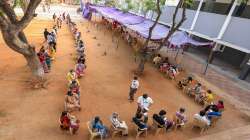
x,y
180,38
117,15
159,32
141,26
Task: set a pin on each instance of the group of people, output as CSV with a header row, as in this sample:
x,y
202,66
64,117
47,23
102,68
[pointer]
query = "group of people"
x,y
195,89
68,121
47,52
72,98
162,63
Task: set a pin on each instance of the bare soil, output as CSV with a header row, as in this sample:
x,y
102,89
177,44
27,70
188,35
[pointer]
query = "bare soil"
x,y
27,114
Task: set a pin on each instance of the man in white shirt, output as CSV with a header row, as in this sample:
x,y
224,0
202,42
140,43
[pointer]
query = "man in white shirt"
x,y
202,117
133,88
144,102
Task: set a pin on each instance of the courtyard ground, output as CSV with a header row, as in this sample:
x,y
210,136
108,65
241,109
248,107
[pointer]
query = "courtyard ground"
x,y
26,113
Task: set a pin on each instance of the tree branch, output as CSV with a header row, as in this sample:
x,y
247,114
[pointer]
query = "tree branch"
x,y
153,26
8,10
175,27
4,22
28,15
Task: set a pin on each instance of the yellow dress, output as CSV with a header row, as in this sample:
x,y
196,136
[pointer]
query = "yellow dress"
x,y
71,77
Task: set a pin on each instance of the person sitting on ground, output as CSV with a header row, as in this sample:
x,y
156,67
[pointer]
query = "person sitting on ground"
x,y
97,126
185,82
157,60
80,69
64,121
139,122
162,120
220,105
74,124
45,33
72,102
181,117
118,124
71,76
202,117
144,102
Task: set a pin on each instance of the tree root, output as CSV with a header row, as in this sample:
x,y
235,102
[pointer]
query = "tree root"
x,y
38,83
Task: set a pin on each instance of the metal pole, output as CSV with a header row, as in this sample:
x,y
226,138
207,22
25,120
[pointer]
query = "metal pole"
x,y
208,60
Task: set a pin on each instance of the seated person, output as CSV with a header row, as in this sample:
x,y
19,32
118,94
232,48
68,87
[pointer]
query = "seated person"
x,y
209,98
64,121
196,90
81,59
97,126
80,48
72,102
71,76
74,124
213,113
139,122
202,117
172,72
185,82
157,60
220,105
80,69
74,87
164,67
181,117
118,124
162,120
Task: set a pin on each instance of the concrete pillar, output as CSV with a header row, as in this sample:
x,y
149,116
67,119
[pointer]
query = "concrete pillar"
x,y
245,60
196,15
245,71
227,21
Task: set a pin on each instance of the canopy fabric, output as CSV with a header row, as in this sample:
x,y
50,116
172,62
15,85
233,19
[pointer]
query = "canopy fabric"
x,y
159,32
117,15
180,38
141,26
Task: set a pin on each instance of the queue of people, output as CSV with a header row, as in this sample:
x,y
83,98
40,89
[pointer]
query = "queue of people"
x,y
68,121
47,52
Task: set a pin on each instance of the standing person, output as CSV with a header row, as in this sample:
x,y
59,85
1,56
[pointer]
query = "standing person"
x,y
54,17
46,33
133,88
144,102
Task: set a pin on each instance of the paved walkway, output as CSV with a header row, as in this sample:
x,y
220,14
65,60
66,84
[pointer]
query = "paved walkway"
x,y
238,94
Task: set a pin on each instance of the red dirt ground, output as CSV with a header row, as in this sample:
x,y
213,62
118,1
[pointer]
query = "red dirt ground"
x,y
33,114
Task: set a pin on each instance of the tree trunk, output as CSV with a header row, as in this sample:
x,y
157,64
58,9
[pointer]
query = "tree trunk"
x,y
35,65
141,66
144,50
